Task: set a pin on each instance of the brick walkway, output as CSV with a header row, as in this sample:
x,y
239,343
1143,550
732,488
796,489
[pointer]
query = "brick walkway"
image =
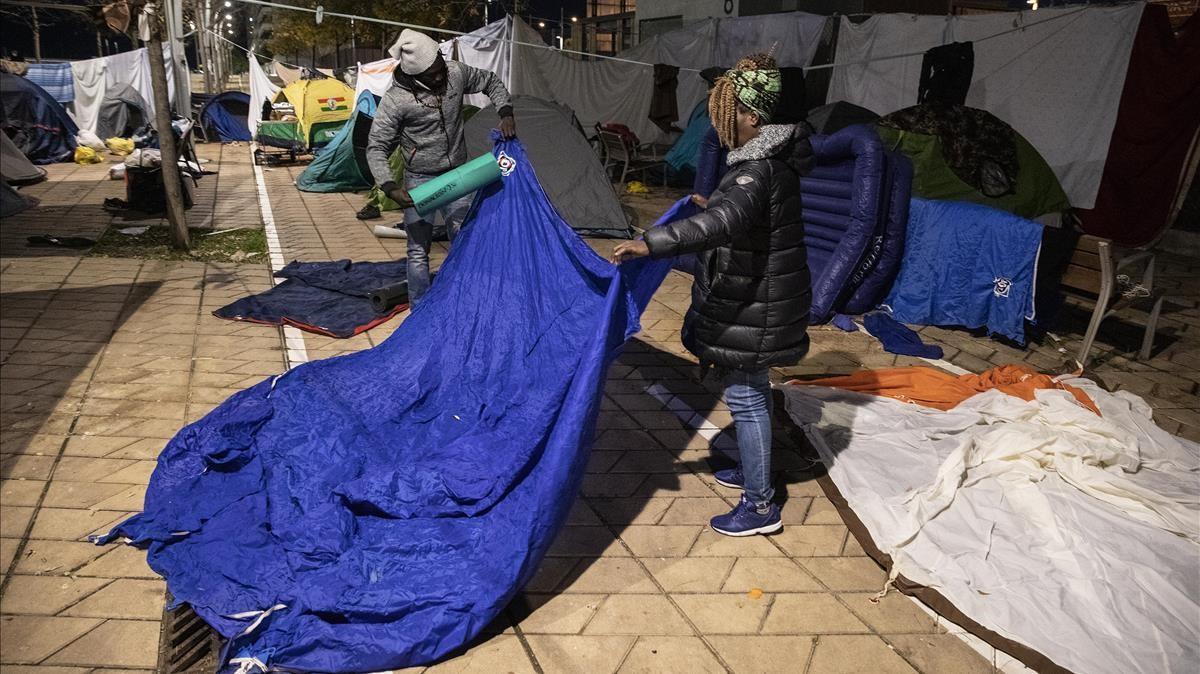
x,y
104,360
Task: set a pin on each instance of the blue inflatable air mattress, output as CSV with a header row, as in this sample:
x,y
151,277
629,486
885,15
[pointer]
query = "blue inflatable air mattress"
x,y
842,201
377,510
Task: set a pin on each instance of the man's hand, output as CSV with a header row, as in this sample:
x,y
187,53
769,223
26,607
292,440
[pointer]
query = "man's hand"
x,y
700,201
400,196
508,126
629,250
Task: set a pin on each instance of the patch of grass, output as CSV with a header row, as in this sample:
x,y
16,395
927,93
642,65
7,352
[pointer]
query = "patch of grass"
x,y
237,245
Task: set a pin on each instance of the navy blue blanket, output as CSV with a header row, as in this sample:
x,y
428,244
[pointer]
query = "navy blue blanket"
x,y
376,510
328,298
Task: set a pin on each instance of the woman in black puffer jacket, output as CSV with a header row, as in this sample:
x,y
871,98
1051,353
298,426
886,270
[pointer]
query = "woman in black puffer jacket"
x,y
752,289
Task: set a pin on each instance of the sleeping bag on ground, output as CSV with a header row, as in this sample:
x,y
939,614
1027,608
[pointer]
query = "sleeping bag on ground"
x,y
327,298
377,510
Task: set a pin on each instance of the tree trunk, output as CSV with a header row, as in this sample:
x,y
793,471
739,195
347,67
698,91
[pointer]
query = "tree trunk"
x,y
37,36
166,140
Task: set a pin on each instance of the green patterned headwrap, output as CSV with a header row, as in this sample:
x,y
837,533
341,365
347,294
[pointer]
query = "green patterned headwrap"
x,y
757,89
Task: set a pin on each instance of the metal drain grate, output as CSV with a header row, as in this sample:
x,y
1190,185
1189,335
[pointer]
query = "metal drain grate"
x,y
187,644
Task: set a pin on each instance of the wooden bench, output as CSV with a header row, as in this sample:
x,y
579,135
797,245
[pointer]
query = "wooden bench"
x,y
1093,270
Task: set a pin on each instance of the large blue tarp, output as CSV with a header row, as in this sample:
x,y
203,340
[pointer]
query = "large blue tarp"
x,y
377,510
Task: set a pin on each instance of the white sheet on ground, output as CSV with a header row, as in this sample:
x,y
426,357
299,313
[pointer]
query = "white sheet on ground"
x,y
261,91
1049,80
1073,534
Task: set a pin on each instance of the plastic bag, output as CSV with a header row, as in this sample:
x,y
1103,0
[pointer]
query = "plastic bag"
x,y
86,155
120,146
89,139
117,172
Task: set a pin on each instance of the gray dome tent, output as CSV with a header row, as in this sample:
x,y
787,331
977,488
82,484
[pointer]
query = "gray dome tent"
x,y
566,165
15,167
122,112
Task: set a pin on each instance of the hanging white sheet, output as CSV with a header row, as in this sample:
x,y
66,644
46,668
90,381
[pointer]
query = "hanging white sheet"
x,y
489,48
1070,533
374,77
598,91
261,91
1050,81
89,92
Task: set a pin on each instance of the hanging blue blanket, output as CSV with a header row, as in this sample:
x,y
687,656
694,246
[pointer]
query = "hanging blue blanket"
x,y
377,510
967,265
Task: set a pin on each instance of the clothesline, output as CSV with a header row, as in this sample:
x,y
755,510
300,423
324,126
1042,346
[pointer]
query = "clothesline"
x,y
252,53
457,33
985,38
354,17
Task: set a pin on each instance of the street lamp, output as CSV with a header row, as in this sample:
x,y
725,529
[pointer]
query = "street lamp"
x,y
229,17
541,24
574,19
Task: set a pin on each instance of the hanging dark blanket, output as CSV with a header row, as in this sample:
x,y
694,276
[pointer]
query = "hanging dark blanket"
x,y
664,106
328,298
946,74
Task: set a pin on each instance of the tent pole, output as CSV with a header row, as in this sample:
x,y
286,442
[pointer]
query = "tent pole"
x,y
166,134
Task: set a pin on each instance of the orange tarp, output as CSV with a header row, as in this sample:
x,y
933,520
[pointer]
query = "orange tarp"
x,y
940,390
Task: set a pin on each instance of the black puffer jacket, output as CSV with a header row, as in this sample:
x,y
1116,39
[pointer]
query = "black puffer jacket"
x,y
752,291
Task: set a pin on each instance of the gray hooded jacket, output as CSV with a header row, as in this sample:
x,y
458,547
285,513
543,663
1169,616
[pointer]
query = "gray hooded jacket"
x,y
428,128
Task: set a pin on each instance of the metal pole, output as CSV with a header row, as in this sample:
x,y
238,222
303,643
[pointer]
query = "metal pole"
x,y
99,47
166,136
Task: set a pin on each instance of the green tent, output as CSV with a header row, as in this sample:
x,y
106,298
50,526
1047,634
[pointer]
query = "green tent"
x,y
919,132
341,166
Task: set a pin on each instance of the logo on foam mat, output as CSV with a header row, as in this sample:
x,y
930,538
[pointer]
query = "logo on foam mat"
x,y
507,164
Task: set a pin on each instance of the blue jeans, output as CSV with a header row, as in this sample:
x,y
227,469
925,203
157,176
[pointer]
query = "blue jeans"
x,y
420,235
748,395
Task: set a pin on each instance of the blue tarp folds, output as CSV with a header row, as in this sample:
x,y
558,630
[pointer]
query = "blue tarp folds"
x,y
377,510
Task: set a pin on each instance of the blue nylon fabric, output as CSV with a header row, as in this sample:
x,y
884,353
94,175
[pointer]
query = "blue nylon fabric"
x,y
229,127
330,298
395,499
682,154
967,265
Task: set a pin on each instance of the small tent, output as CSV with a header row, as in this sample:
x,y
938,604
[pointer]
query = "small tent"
x,y
36,123
341,166
566,165
321,106
15,168
966,154
122,112
224,117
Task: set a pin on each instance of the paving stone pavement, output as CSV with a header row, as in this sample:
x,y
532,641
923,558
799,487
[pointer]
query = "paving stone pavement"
x,y
103,360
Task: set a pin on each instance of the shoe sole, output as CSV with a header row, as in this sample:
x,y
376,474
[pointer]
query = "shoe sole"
x,y
769,529
723,483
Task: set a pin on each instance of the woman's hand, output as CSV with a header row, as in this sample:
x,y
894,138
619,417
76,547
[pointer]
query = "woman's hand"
x,y
629,250
700,201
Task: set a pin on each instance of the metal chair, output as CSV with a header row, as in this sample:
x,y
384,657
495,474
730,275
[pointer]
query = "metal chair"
x,y
1094,268
619,150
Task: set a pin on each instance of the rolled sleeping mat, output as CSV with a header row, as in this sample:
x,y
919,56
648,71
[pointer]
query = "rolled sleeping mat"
x,y
386,232
387,298
471,176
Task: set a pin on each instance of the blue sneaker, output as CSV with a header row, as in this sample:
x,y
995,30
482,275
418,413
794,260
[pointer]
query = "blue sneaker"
x,y
746,520
730,477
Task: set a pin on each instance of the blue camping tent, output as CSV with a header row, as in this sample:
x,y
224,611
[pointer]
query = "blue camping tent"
x,y
341,166
378,510
36,123
224,117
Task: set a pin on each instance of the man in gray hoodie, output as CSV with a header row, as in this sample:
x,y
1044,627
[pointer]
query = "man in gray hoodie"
x,y
422,113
